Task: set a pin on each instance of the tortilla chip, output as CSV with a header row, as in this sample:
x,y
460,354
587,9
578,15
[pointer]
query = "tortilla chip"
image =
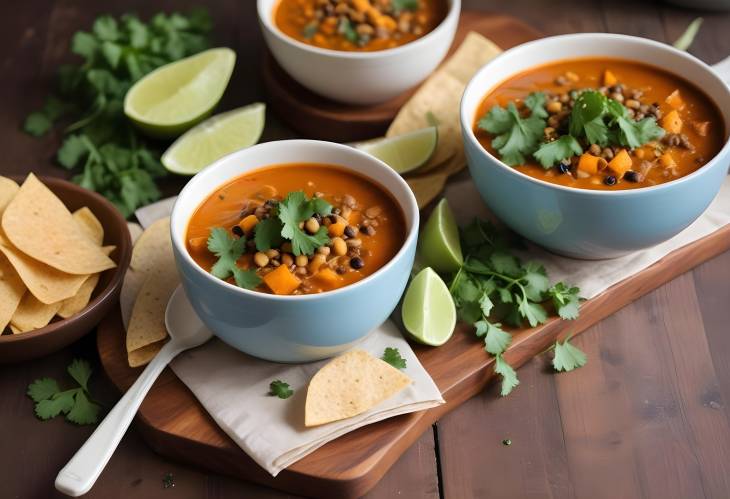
x,y
39,225
440,97
8,190
89,224
152,255
147,323
144,355
11,292
75,304
32,314
47,284
350,385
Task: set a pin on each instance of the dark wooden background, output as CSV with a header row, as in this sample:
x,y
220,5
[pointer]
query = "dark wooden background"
x,y
646,417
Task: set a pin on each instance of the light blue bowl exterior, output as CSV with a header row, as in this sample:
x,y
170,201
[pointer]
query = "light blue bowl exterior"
x,y
298,330
592,224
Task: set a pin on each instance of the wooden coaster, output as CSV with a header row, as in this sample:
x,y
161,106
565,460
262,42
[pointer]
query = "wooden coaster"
x,y
315,117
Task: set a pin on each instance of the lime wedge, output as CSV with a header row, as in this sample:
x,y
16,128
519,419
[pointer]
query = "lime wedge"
x,y
439,244
178,95
405,153
429,314
214,138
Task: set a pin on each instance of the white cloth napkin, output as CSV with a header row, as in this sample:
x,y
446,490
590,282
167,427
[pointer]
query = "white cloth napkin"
x,y
233,386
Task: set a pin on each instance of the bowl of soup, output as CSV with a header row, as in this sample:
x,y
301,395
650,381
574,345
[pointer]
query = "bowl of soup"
x,y
596,145
359,51
292,251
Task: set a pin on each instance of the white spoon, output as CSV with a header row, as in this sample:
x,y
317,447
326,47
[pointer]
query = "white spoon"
x,y
186,331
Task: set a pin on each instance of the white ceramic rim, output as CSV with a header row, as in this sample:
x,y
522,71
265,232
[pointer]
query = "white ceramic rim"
x,y
266,19
578,38
408,205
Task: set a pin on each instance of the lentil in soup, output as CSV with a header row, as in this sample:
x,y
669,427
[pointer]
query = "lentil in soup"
x,y
296,229
358,25
600,123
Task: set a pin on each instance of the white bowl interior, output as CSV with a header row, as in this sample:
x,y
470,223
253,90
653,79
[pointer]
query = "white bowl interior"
x,y
282,152
557,48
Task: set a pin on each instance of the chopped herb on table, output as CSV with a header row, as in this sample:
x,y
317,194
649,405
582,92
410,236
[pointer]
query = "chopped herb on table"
x,y
278,388
392,356
51,401
567,357
108,153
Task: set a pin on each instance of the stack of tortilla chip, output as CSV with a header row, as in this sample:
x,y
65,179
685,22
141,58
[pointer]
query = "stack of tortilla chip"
x,y
147,288
437,101
50,259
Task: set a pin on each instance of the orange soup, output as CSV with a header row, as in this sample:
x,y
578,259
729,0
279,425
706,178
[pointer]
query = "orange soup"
x,y
358,25
296,229
600,124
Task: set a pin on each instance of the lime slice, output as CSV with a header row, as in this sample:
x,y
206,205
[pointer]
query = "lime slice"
x,y
178,95
214,138
429,313
439,244
405,153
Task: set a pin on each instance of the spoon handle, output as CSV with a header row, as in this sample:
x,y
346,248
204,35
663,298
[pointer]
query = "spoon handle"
x,y
81,472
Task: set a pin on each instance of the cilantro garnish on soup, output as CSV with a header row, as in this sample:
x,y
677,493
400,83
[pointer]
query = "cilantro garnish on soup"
x,y
600,124
296,229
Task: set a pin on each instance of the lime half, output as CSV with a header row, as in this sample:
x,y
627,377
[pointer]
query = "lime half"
x,y
178,95
429,313
439,244
214,138
405,153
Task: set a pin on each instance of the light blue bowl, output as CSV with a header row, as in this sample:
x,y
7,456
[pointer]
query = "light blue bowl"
x,y
293,328
584,223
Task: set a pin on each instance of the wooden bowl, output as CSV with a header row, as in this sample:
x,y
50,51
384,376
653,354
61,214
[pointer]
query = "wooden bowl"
x,y
60,333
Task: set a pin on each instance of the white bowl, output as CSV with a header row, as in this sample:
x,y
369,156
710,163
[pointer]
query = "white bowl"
x,y
359,77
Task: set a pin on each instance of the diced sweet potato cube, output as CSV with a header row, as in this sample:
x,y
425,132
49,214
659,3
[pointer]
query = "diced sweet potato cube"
x,y
609,79
671,122
198,243
667,161
248,223
337,229
591,164
621,163
675,100
327,277
281,281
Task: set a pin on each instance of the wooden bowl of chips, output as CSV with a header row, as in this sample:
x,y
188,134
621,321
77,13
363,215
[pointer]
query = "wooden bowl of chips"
x,y
84,310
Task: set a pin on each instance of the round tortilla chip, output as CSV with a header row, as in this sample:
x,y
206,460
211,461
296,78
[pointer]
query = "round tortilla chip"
x,y
89,224
11,292
350,385
32,314
39,225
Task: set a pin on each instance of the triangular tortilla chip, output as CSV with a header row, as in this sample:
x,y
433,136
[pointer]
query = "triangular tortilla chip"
x,y
11,292
75,304
144,355
39,225
350,385
90,224
8,190
32,314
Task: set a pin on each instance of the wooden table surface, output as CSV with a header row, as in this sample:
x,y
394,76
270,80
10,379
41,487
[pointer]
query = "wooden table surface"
x,y
646,417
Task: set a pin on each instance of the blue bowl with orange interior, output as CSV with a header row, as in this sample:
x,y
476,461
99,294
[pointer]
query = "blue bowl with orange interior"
x,y
584,223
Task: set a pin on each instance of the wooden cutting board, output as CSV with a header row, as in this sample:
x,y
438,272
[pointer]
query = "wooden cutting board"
x,y
315,117
176,425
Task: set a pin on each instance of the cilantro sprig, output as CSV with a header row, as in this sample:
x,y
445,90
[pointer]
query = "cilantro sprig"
x,y
291,211
110,156
75,403
278,388
228,250
567,357
494,286
392,356
516,137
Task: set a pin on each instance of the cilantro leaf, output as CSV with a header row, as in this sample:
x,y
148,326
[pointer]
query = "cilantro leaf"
x,y
227,249
80,371
537,281
401,5
535,102
533,312
42,389
278,388
496,340
567,357
637,133
37,124
267,234
61,402
293,210
321,206
346,29
516,137
83,411
392,356
246,278
550,154
504,263
589,106
509,376
565,300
